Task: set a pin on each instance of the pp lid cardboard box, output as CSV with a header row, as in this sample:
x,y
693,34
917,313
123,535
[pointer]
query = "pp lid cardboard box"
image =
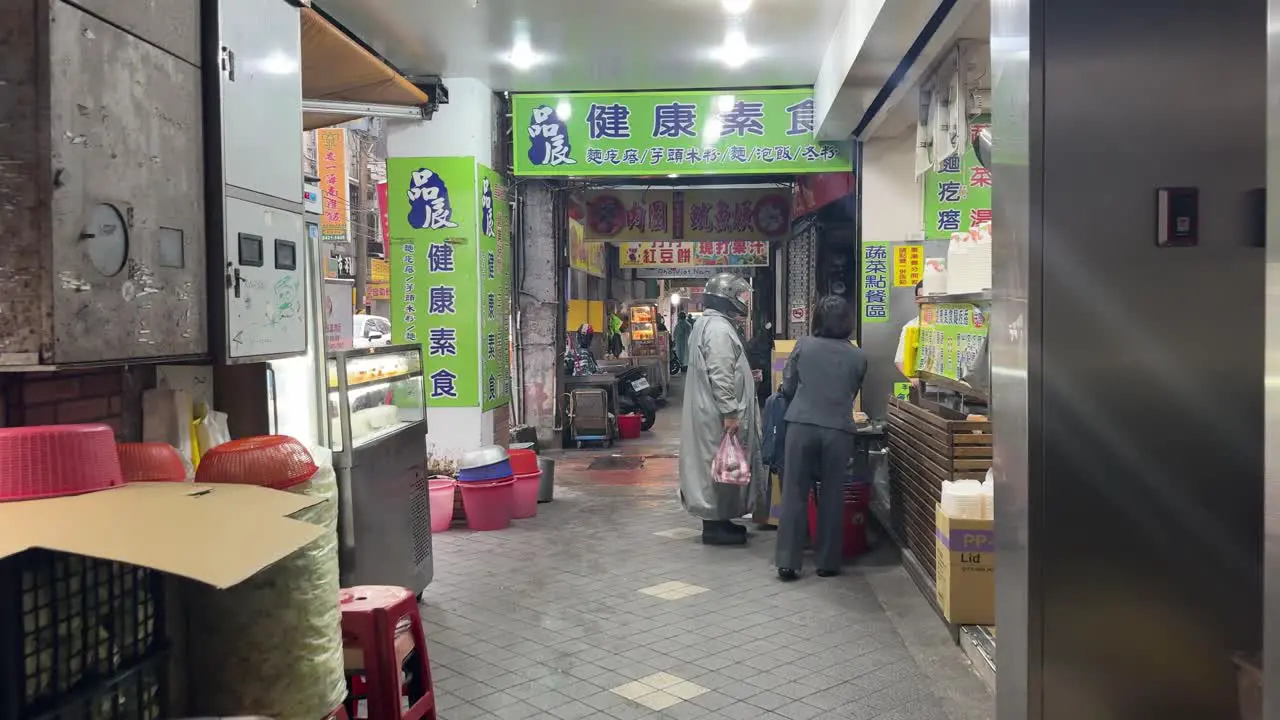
x,y
965,569
217,534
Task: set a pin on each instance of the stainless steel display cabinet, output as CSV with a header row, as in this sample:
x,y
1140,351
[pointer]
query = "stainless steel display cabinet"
x,y
101,182
378,426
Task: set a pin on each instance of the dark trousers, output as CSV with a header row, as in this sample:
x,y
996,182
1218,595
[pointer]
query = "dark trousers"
x,y
813,453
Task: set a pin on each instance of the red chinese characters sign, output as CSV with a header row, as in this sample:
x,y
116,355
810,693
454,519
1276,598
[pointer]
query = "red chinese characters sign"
x,y
384,219
331,151
688,215
711,253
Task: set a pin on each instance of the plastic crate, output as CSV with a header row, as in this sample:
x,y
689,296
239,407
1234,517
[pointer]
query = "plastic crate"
x,y
77,630
138,693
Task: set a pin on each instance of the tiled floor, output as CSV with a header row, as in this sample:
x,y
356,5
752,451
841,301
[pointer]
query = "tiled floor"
x,y
605,606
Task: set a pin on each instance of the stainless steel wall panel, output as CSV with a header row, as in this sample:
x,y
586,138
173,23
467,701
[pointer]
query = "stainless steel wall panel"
x,y
1015,329
1139,516
1271,385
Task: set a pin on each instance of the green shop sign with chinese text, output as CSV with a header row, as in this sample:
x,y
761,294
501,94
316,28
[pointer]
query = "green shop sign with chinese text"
x,y
495,303
727,132
439,211
957,195
952,339
874,286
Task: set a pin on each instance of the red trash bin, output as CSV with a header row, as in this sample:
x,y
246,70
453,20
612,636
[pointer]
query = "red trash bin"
x,y
857,503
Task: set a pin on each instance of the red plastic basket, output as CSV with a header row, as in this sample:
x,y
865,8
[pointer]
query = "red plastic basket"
x,y
56,460
151,462
523,461
274,461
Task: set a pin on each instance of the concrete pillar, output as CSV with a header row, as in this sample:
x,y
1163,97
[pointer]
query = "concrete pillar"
x,y
464,127
540,335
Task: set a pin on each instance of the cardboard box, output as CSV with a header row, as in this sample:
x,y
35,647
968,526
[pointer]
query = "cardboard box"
x,y
781,351
775,499
218,534
966,569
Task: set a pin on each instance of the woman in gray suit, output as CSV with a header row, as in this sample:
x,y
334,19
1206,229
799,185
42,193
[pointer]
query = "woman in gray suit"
x,y
823,376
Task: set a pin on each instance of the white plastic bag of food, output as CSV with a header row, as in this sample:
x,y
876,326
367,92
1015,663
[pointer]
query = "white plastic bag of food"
x,y
730,465
212,430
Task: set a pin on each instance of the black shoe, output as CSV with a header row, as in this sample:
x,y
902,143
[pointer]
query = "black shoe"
x,y
722,532
828,573
788,574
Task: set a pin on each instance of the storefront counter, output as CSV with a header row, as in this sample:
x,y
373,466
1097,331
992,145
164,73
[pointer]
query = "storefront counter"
x,y
928,444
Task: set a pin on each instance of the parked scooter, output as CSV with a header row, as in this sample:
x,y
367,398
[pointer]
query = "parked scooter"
x,y
636,394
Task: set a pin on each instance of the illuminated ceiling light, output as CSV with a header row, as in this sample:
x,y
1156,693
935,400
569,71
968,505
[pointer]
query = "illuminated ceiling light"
x,y
673,175
735,52
675,299
522,57
564,110
736,7
725,103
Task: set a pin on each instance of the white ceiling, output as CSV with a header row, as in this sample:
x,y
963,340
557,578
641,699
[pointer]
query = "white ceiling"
x,y
594,44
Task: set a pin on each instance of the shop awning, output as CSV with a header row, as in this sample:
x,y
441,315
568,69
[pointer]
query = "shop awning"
x,y
337,70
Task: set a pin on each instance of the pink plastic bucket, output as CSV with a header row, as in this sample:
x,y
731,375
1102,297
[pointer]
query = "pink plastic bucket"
x,y
440,490
488,503
525,495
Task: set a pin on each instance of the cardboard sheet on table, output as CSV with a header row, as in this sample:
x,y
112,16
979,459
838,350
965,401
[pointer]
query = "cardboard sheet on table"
x,y
217,534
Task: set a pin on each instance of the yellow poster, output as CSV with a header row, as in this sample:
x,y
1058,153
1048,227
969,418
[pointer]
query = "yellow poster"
x,y
585,256
908,265
750,214
723,253
331,156
379,271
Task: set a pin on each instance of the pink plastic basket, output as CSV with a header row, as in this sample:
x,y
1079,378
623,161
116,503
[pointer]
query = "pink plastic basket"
x,y
440,490
525,496
56,460
488,503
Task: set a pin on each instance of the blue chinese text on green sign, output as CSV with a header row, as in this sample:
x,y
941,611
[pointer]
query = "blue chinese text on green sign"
x,y
873,294
726,132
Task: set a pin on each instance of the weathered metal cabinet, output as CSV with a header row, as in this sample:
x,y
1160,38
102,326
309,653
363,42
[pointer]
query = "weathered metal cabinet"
x,y
253,86
102,216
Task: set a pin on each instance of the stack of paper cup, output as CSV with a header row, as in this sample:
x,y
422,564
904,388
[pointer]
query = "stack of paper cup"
x,y
962,499
988,500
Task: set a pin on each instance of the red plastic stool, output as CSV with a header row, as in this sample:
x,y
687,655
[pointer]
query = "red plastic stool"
x,y
381,629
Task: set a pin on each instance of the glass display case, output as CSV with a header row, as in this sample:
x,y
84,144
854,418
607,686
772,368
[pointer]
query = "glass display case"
x,y
373,394
378,423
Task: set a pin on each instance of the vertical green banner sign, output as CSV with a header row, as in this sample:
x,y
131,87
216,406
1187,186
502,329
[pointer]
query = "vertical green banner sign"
x,y
495,284
957,195
432,207
873,293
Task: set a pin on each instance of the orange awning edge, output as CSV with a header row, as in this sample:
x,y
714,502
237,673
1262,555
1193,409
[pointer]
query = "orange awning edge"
x,y
336,67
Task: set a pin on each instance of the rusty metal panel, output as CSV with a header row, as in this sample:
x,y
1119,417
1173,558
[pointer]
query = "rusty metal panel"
x,y
118,122
25,300
171,25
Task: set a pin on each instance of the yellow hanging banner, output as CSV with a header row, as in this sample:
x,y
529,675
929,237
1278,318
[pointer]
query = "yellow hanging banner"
x,y
908,265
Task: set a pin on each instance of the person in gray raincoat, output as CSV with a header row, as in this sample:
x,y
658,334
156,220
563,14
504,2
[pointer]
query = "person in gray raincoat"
x,y
684,327
719,397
